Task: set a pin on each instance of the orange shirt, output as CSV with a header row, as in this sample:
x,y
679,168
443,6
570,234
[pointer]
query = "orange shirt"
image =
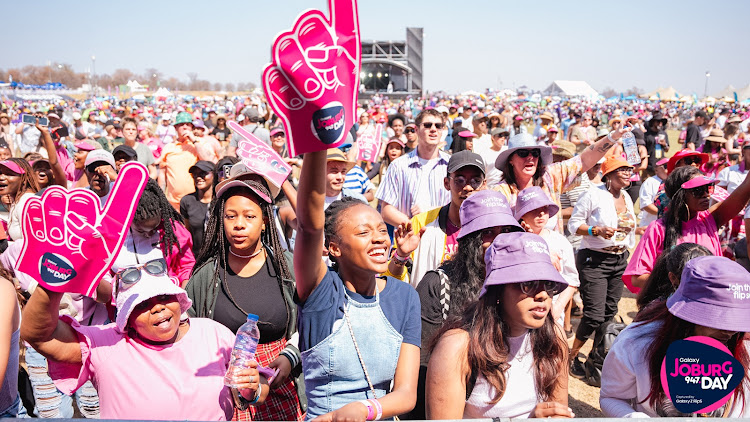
x,y
176,159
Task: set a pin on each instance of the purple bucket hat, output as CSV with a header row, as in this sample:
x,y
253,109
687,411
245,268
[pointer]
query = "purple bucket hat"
x,y
518,257
485,209
533,198
714,292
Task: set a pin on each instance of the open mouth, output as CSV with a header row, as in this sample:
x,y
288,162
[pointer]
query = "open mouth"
x,y
378,254
163,322
539,312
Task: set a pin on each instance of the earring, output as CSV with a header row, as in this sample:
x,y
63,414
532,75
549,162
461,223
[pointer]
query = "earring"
x,y
687,210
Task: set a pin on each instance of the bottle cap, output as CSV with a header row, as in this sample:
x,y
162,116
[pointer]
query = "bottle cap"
x,y
252,317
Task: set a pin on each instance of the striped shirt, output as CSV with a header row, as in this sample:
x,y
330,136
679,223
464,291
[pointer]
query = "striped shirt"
x,y
401,182
357,180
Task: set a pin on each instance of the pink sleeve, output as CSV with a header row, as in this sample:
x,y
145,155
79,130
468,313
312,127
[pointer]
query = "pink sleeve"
x,y
69,377
645,254
181,260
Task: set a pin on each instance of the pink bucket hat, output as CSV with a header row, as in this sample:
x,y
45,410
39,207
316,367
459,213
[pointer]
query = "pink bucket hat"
x,y
147,287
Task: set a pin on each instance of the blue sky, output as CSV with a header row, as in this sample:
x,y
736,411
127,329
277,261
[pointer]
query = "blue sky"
x,y
468,44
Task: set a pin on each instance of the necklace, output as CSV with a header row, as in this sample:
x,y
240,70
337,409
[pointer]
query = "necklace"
x,y
252,255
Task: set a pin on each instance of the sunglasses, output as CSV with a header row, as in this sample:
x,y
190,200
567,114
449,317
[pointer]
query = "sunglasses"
x,y
701,191
691,160
428,125
409,130
129,277
461,181
523,153
531,288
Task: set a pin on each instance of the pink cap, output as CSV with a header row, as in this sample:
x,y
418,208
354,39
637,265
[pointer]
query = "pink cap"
x,y
83,145
699,181
663,161
275,131
12,166
518,117
467,134
552,128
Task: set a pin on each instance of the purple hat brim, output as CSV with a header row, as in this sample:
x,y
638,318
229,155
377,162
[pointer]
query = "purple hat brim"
x,y
720,317
523,271
486,221
552,208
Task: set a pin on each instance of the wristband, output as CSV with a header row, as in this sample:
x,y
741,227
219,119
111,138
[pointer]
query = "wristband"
x,y
258,393
370,409
609,136
378,407
591,230
399,260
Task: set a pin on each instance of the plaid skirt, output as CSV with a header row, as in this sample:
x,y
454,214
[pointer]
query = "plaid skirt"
x,y
282,404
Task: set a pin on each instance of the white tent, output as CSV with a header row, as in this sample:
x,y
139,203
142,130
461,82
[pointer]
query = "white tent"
x,y
135,86
571,89
726,92
744,93
163,92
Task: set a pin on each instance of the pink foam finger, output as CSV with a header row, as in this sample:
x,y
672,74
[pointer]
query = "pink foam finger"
x,y
85,205
54,207
293,63
280,92
345,21
123,200
33,226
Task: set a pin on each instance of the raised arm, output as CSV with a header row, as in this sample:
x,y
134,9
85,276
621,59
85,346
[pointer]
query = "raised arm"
x,y
308,265
730,207
595,152
42,328
58,173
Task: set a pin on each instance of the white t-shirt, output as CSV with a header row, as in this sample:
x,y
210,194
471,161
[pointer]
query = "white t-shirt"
x,y
520,392
15,217
647,195
330,200
492,175
482,143
731,177
560,246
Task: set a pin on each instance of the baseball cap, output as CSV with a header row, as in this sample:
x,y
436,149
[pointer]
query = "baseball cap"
x,y
85,146
204,165
275,131
465,158
126,149
100,155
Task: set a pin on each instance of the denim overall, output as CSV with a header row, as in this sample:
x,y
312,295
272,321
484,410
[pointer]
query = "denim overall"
x,y
333,373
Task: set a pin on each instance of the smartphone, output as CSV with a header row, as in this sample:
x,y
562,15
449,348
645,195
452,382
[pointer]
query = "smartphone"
x,y
28,119
62,131
43,121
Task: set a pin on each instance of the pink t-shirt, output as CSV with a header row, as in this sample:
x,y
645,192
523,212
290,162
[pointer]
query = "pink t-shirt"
x,y
451,241
182,381
701,230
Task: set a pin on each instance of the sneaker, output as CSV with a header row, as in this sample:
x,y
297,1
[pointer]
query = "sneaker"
x,y
576,368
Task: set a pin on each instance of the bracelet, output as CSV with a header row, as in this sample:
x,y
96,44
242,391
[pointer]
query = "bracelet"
x,y
398,259
609,136
591,230
258,393
378,407
370,410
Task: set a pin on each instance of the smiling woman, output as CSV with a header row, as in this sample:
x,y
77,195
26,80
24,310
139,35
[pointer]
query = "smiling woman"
x,y
149,350
375,351
17,184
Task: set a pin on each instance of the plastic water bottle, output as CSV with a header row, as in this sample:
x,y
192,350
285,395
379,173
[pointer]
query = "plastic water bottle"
x,y
245,345
631,148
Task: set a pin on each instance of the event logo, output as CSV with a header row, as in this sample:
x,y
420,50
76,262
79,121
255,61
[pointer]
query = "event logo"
x,y
328,123
55,269
699,374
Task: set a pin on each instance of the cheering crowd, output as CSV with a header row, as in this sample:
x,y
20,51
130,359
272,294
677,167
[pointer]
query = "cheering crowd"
x,y
439,279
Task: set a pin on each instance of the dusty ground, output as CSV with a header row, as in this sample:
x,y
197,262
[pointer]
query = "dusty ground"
x,y
582,398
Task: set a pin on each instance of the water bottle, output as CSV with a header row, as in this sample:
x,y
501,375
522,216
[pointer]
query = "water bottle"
x,y
631,148
245,345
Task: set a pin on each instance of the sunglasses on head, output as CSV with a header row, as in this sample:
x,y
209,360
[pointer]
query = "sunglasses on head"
x,y
531,288
428,125
129,277
701,191
523,153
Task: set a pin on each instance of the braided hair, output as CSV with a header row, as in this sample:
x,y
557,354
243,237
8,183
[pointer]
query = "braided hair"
x,y
152,204
333,215
215,245
677,211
